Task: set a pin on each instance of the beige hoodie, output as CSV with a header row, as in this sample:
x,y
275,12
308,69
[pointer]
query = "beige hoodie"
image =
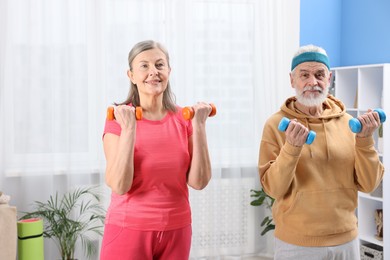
x,y
315,186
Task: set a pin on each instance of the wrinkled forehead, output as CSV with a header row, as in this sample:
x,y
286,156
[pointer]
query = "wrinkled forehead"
x,y
312,67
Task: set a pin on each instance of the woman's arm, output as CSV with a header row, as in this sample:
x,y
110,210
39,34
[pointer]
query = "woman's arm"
x,y
199,174
119,152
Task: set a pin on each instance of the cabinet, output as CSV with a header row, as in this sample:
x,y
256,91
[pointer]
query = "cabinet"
x,y
361,88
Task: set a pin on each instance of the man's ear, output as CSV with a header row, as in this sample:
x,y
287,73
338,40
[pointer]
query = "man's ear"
x,y
291,80
330,77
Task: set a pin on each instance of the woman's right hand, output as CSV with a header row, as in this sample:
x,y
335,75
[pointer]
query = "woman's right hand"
x,y
125,116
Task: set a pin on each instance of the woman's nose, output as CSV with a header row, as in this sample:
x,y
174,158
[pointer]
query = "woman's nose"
x,y
153,71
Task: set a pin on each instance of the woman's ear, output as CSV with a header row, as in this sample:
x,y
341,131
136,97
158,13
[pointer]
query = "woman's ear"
x,y
130,75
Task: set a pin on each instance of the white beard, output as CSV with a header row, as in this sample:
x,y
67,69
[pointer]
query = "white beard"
x,y
312,101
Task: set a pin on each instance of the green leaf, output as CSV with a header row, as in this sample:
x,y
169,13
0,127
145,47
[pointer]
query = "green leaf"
x,y
263,199
267,228
70,217
265,221
258,202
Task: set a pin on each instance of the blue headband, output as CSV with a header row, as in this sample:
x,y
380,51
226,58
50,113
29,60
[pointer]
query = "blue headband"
x,y
310,56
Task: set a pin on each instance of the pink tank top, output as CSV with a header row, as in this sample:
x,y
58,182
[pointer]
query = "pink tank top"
x,y
158,198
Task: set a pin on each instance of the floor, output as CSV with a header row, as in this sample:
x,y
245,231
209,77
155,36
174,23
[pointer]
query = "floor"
x,y
247,258
258,258
262,257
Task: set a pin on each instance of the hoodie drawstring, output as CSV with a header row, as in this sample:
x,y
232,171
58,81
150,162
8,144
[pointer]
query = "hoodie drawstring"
x,y
326,140
310,151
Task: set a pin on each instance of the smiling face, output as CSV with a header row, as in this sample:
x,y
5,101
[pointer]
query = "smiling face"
x,y
150,72
311,82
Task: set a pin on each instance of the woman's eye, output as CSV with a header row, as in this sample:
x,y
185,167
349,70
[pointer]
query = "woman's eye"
x,y
160,65
143,67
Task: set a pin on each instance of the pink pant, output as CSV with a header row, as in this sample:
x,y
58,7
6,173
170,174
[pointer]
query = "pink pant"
x,y
121,243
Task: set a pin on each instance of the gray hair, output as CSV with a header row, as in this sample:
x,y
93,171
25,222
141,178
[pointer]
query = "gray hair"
x,y
133,96
310,48
308,53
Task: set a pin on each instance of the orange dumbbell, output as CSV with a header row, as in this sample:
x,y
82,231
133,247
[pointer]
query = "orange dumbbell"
x,y
111,116
189,112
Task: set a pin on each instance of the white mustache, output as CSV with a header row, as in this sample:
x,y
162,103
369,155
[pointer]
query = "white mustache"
x,y
312,88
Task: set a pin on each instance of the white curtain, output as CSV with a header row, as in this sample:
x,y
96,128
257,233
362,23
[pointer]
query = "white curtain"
x,y
63,62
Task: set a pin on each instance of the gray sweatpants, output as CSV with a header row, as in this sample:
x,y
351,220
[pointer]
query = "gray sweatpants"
x,y
347,251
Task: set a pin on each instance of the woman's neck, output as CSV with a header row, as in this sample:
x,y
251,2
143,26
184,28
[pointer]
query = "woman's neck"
x,y
153,109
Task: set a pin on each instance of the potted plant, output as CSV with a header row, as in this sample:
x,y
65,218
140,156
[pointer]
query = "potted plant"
x,y
262,198
73,216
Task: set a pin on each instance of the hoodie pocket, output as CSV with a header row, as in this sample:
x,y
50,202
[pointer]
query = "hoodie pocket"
x,y
324,212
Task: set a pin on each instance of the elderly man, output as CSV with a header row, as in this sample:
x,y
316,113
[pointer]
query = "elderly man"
x,y
315,186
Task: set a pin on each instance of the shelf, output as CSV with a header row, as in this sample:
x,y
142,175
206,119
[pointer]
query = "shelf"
x,y
361,88
369,197
371,239
370,87
347,77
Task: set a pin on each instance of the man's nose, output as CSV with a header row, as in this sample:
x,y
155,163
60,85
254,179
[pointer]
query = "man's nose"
x,y
312,80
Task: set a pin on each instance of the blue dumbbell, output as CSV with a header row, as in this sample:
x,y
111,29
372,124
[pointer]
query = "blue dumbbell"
x,y
284,124
356,126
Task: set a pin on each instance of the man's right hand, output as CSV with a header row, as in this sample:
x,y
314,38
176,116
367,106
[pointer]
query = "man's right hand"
x,y
296,133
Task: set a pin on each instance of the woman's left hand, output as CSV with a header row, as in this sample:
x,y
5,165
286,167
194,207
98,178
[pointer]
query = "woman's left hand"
x,y
202,111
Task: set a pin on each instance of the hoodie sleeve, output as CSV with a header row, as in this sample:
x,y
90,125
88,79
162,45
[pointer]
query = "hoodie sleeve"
x,y
368,168
277,160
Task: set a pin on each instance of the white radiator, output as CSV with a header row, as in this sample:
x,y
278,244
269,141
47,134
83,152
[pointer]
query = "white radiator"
x,y
224,222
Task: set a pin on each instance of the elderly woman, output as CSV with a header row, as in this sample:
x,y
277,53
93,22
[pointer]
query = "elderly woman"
x,y
150,162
